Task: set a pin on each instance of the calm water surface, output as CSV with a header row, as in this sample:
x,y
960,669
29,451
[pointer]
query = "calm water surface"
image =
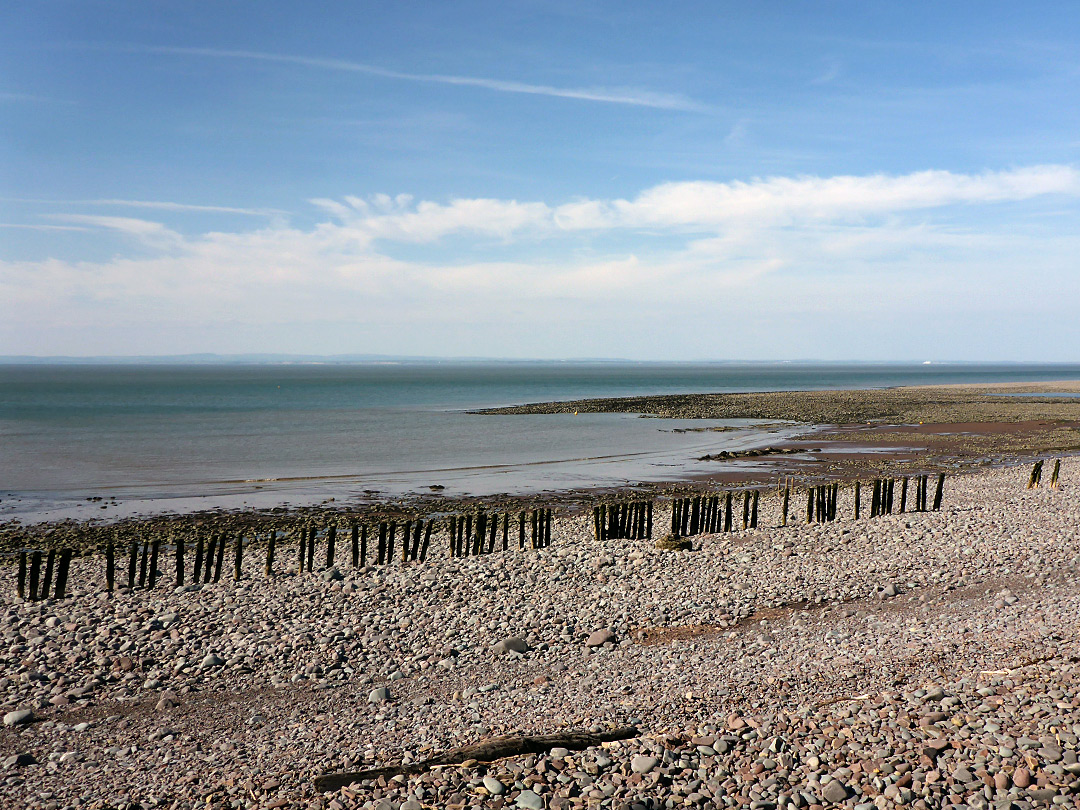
x,y
182,437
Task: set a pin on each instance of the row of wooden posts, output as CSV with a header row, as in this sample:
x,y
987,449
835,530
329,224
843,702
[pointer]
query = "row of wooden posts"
x,y
39,586
480,535
709,514
470,534
415,538
1036,475
625,520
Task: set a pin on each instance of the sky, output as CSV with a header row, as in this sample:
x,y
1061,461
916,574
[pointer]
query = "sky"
x,y
541,179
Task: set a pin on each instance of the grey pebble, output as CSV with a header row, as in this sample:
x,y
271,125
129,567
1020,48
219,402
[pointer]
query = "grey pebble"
x,y
18,717
643,763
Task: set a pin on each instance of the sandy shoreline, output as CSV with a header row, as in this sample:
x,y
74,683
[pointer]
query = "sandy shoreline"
x,y
759,669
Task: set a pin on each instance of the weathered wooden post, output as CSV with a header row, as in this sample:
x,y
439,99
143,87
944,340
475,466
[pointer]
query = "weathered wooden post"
x,y
62,573
268,568
142,565
786,505
110,567
857,493
208,563
939,492
903,495
312,532
521,530
220,557
155,549
50,561
506,531
547,529
1054,475
810,505
22,575
1036,475
35,575
133,562
331,541
648,519
363,545
197,573
427,539
889,497
695,514
477,538
753,510
380,557
728,498
406,536
238,552
835,499
875,502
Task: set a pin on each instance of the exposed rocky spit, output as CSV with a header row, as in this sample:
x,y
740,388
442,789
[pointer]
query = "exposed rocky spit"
x,y
915,660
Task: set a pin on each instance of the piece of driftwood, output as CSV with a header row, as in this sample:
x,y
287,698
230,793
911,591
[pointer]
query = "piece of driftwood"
x,y
486,751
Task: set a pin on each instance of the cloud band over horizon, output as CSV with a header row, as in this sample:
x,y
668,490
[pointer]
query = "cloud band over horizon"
x,y
872,251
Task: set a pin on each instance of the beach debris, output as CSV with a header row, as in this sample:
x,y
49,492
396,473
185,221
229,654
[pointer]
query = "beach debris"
x,y
485,751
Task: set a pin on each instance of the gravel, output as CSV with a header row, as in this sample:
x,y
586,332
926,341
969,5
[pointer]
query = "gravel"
x,y
762,669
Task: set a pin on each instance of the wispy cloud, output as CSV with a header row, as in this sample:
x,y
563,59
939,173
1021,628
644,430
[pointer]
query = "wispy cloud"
x,y
683,269
175,206
27,227
631,96
153,234
161,205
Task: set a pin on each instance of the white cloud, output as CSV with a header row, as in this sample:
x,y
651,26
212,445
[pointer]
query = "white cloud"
x,y
154,234
29,227
681,265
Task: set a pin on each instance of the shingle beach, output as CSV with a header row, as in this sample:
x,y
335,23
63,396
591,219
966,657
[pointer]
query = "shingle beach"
x,y
920,659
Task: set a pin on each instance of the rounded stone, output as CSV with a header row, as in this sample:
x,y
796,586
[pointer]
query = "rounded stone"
x,y
643,764
18,717
599,638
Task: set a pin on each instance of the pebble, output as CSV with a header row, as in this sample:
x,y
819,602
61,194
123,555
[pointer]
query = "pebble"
x,y
379,695
643,763
212,660
18,717
834,792
511,645
598,638
494,786
529,800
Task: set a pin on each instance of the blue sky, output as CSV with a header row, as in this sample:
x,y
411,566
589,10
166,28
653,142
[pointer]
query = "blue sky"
x,y
714,180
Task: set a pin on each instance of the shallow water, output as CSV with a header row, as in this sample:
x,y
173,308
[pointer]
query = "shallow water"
x,y
185,437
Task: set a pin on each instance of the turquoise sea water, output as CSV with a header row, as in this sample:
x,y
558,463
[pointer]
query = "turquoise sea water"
x,y
181,437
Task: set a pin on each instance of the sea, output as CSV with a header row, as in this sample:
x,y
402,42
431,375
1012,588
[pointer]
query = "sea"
x,y
108,441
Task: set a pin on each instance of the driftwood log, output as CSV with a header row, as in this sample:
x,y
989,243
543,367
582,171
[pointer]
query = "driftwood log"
x,y
485,751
